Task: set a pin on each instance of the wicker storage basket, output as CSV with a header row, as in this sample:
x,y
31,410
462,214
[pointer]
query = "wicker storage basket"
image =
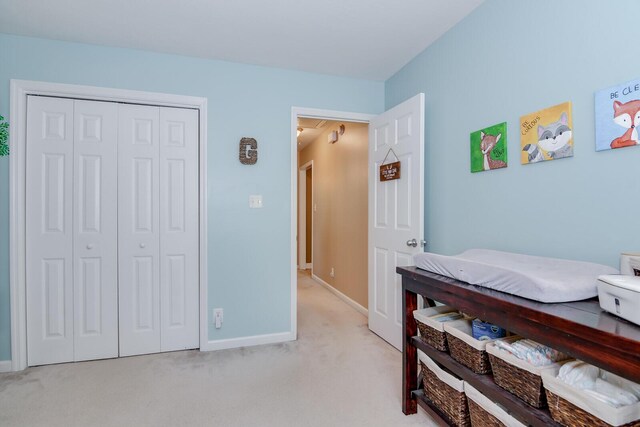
x,y
432,331
574,408
518,376
485,413
445,391
466,349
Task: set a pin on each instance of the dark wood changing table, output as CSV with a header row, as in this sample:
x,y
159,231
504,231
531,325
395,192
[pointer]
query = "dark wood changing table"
x,y
580,329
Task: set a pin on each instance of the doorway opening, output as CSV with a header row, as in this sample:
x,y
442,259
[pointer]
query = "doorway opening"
x,y
395,213
332,205
305,217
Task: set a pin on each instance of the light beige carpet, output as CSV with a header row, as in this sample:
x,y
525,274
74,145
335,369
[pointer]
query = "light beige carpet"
x,y
338,373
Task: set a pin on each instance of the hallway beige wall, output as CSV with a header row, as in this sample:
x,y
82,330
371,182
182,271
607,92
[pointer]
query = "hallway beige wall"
x,y
340,221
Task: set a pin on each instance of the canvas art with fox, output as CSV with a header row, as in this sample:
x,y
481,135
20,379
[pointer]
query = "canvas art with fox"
x,y
618,116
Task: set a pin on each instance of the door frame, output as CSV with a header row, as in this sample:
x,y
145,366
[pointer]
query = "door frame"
x,y
302,215
311,113
19,90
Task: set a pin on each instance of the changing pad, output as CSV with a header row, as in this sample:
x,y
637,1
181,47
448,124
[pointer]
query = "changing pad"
x,y
537,278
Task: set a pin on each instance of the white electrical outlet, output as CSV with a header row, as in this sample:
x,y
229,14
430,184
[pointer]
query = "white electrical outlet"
x,y
218,317
333,272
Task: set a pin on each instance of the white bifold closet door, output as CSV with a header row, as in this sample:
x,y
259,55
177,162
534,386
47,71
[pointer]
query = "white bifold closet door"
x,y
158,229
179,229
112,230
72,286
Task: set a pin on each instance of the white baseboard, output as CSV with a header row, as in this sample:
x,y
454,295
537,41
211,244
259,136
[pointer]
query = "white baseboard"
x,y
342,296
5,365
248,341
309,265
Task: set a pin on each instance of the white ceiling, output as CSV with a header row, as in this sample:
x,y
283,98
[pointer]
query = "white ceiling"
x,y
311,129
357,38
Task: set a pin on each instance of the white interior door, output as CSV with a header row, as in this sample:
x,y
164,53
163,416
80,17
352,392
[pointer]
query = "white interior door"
x,y
138,229
179,236
95,281
396,212
49,230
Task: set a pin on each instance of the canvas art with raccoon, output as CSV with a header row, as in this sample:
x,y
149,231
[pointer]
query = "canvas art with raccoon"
x,y
546,134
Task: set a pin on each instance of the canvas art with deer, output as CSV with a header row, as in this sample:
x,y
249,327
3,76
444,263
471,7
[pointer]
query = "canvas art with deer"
x,y
489,148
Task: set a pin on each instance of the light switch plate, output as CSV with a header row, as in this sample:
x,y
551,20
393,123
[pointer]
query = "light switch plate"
x,y
255,201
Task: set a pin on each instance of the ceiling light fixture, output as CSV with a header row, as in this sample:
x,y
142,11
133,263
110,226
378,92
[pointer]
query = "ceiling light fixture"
x,y
299,130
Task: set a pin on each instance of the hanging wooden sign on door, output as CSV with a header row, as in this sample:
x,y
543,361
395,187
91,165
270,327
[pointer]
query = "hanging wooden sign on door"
x,y
390,171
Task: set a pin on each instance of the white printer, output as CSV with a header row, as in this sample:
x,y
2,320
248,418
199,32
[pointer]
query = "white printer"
x,y
620,295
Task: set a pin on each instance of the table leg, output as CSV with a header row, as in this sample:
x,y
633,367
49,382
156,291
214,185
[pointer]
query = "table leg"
x,y
409,353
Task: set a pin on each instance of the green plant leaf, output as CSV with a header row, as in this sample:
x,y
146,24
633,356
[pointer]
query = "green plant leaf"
x,y
4,137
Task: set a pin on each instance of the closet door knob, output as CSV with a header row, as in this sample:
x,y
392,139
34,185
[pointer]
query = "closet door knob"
x,y
142,245
90,246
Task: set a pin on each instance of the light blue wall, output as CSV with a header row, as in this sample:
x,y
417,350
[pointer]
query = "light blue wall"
x,y
509,58
249,250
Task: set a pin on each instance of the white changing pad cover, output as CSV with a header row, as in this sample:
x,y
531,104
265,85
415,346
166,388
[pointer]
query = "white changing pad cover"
x,y
537,278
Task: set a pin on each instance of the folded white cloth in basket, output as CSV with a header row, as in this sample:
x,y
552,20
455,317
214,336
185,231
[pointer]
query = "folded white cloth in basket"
x,y
600,384
531,351
537,278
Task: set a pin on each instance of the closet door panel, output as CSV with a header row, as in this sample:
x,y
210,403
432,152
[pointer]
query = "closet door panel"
x,y
179,235
95,230
49,230
138,229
